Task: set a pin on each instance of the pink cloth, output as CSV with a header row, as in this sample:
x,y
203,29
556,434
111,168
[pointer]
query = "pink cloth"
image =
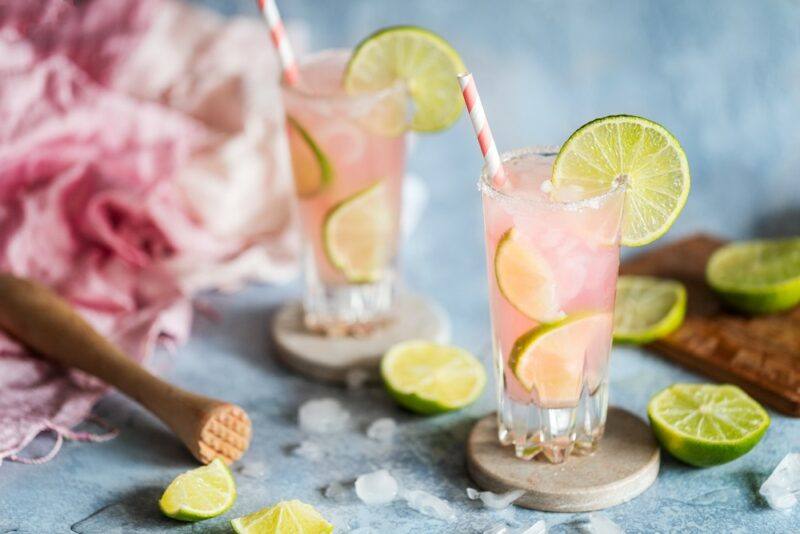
x,y
129,180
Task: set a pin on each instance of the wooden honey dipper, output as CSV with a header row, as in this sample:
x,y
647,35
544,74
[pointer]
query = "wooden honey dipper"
x,y
43,321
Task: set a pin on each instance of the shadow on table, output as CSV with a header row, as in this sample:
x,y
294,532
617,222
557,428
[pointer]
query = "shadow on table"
x,y
782,223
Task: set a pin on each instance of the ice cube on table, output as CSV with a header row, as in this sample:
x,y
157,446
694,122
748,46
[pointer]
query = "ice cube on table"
x,y
600,524
378,487
356,378
252,469
336,492
783,486
540,527
309,450
430,505
382,430
495,501
322,416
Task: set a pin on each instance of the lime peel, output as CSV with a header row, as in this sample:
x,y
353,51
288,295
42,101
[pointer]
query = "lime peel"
x,y
647,308
201,493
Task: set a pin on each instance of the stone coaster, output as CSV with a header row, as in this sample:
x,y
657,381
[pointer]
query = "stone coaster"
x,y
330,358
625,464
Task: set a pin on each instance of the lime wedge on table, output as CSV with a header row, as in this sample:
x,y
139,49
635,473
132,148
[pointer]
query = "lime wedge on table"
x,y
647,308
551,358
757,276
424,61
311,169
289,517
640,152
201,493
357,234
706,424
524,278
430,378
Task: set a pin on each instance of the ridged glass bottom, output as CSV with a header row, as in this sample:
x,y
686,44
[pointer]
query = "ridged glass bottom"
x,y
553,433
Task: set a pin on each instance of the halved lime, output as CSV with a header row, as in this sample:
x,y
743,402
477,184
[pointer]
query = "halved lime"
x,y
423,60
757,276
525,279
310,167
647,308
430,378
357,234
706,424
201,493
290,517
642,153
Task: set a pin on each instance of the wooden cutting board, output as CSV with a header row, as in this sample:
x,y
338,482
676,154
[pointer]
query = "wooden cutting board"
x,y
760,354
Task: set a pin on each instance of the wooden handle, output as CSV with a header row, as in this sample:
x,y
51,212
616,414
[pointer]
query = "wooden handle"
x,y
41,320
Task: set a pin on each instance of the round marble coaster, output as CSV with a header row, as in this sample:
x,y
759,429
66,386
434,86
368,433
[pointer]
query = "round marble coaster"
x,y
625,464
331,358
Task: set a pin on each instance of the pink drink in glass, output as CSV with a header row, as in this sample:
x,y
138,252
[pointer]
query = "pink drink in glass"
x,y
571,243
350,141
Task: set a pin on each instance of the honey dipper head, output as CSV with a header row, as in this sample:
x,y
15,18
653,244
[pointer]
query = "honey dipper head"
x,y
224,434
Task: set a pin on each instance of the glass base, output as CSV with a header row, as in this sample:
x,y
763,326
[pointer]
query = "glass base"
x,y
348,310
553,433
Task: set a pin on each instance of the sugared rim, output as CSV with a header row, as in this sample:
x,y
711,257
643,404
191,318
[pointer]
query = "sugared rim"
x,y
593,202
299,92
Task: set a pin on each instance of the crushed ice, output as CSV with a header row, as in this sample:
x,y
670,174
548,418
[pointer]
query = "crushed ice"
x,y
600,524
356,378
336,491
540,527
783,486
382,430
378,487
430,505
323,416
495,501
309,450
252,469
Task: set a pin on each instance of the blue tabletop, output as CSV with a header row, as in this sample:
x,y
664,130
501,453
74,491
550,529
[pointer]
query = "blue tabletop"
x,y
721,75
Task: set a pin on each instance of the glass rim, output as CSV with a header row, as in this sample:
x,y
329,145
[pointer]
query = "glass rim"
x,y
296,91
592,202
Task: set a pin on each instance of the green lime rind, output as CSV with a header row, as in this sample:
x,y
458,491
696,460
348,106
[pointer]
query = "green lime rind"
x,y
647,308
651,160
326,172
423,60
188,511
760,276
706,424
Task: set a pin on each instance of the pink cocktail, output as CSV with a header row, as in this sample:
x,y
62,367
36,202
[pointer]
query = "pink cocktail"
x,y
552,259
348,160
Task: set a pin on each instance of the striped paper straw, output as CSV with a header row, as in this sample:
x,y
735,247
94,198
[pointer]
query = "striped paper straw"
x,y
279,39
482,130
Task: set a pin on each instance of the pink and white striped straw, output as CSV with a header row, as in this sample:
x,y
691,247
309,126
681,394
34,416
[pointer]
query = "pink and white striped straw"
x,y
278,34
482,130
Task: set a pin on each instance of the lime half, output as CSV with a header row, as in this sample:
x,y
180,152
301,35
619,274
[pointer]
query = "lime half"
x,y
647,308
757,276
706,424
310,167
291,517
639,152
357,234
429,378
424,61
201,493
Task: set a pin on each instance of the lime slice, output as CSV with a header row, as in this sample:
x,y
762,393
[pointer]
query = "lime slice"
x,y
551,359
525,279
357,234
311,169
647,308
201,493
640,152
425,62
290,517
429,378
757,276
706,424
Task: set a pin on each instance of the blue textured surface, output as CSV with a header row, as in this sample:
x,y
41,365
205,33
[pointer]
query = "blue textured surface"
x,y
724,76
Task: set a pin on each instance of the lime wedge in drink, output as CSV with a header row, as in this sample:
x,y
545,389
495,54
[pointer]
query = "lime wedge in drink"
x,y
429,378
201,493
311,169
551,358
647,308
639,152
291,517
757,276
706,424
357,234
525,279
425,62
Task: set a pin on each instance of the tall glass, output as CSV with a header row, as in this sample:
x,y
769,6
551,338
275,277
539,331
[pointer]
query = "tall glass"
x,y
552,259
348,161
